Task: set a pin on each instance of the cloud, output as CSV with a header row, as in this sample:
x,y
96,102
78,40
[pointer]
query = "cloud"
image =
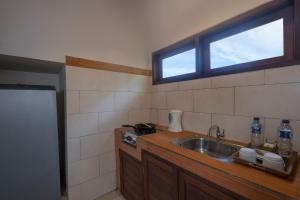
x,y
183,63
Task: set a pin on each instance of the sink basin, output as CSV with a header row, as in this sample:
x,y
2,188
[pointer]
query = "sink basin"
x,y
216,149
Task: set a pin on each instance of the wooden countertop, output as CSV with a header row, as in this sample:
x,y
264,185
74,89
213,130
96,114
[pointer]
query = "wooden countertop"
x,y
246,181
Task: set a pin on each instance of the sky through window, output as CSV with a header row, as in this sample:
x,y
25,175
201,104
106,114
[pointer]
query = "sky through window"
x,y
183,63
259,43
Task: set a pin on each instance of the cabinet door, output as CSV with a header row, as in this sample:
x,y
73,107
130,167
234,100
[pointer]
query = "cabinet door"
x,y
131,177
192,187
161,178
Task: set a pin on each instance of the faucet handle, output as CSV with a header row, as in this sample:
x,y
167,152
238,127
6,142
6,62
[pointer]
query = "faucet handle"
x,y
223,133
220,134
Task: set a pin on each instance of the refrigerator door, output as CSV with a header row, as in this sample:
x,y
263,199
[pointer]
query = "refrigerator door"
x,y
29,155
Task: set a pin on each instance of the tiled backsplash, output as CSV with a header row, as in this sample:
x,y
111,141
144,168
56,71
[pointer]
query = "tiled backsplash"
x,y
97,102
231,101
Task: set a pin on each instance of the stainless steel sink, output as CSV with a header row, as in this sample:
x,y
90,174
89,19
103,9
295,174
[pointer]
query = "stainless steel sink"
x,y
217,149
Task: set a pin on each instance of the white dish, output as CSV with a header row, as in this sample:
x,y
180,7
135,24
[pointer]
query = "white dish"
x,y
247,154
273,161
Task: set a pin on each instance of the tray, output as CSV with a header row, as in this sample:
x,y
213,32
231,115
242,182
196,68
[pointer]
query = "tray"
x,y
288,173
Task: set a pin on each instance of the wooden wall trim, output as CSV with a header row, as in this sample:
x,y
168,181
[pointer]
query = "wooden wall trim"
x,y
93,64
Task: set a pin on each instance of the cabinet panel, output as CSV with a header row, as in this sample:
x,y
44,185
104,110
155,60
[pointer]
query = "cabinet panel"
x,y
192,187
161,178
131,175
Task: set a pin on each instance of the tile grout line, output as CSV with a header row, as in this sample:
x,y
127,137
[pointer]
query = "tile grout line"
x,y
226,114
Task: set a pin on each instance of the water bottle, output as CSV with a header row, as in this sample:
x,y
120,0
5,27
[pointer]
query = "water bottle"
x,y
285,138
256,133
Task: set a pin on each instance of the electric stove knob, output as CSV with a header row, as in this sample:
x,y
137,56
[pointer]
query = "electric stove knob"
x,y
128,138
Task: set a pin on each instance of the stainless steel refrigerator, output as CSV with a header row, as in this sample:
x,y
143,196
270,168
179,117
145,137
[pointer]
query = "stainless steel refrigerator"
x,y
29,151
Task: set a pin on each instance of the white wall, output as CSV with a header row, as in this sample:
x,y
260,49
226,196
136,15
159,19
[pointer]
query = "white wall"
x,y
169,21
232,101
117,31
106,30
98,102
29,78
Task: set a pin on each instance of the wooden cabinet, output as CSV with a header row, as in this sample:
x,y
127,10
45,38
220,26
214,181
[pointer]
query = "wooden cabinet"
x,y
192,187
131,177
157,179
161,178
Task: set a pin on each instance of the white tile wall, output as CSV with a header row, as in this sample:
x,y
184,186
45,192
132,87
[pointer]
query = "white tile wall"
x,y
196,122
108,121
219,100
182,100
90,79
277,101
195,84
139,83
107,162
147,101
123,101
83,170
165,87
98,186
81,79
92,189
74,193
163,117
94,101
129,100
97,102
107,142
271,128
105,83
236,127
159,100
136,116
232,101
241,79
72,102
82,124
90,145
73,149
93,145
154,116
283,75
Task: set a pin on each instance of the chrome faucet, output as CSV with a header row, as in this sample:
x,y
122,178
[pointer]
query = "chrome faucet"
x,y
219,134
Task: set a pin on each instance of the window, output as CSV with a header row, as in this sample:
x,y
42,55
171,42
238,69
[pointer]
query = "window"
x,y
259,43
261,38
179,64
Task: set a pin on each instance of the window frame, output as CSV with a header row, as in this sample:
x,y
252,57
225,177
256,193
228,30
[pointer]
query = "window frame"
x,y
288,10
288,39
178,48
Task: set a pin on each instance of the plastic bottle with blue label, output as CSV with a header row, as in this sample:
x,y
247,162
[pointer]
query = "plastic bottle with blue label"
x,y
285,145
256,133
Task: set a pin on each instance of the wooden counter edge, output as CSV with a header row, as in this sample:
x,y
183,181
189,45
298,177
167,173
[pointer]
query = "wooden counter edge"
x,y
119,145
240,186
228,181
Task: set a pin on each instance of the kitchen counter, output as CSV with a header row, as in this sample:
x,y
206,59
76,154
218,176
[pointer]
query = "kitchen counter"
x,y
243,180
